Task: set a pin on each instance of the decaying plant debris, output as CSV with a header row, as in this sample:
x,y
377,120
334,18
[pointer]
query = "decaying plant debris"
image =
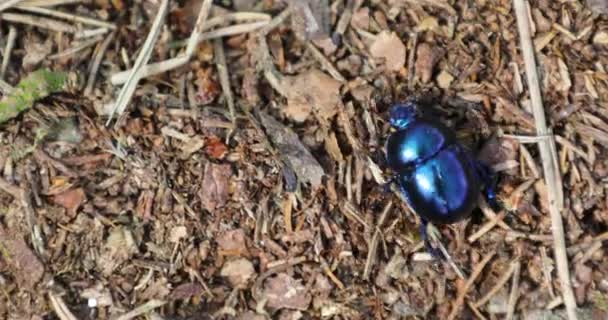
x,y
239,177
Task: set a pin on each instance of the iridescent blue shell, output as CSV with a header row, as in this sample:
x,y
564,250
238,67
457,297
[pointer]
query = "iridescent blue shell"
x,y
437,176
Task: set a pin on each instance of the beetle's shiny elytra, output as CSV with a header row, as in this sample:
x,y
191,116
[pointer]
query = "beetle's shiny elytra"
x,y
438,177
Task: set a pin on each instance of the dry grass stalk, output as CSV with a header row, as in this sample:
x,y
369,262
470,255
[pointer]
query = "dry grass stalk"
x,y
222,69
69,17
146,52
499,284
325,63
548,158
61,310
39,22
143,309
514,294
486,227
373,245
9,3
10,43
78,48
467,285
49,3
96,63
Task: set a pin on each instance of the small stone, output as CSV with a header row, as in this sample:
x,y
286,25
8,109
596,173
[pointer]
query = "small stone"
x,y
238,271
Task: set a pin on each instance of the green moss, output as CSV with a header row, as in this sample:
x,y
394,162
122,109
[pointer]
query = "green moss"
x,y
37,85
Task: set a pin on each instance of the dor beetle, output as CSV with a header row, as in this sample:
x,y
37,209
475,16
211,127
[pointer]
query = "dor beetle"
x,y
440,179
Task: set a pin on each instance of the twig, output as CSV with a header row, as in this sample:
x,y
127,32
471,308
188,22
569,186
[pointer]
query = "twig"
x,y
499,284
40,22
548,157
411,60
144,308
547,278
68,16
434,3
42,156
10,43
487,227
465,288
222,70
75,49
170,64
514,292
5,87
96,63
10,189
7,4
325,63
129,88
49,3
61,310
373,245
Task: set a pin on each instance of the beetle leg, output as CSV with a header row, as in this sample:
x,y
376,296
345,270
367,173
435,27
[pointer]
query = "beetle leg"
x,y
387,184
426,237
490,181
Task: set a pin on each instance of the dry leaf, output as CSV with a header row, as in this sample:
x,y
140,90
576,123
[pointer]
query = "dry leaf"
x,y
186,291
36,50
98,295
215,148
283,291
429,23
313,90
178,233
214,189
233,241
120,246
208,89
250,315
601,38
24,264
306,167
238,271
389,47
426,58
360,19
444,79
598,6
310,19
70,200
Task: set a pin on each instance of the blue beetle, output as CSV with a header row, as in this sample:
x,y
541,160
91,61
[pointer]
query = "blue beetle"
x,y
438,177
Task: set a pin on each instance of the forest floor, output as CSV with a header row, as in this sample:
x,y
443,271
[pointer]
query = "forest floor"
x,y
240,176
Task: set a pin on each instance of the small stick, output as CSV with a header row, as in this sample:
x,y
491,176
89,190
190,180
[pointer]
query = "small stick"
x,y
68,16
8,3
499,284
144,308
373,245
222,69
75,49
463,291
325,63
514,292
49,3
61,310
548,279
40,22
411,61
487,227
548,157
10,43
146,52
96,63
476,311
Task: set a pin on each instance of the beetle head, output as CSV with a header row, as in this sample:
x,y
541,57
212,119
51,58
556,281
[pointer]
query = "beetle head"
x,y
402,114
